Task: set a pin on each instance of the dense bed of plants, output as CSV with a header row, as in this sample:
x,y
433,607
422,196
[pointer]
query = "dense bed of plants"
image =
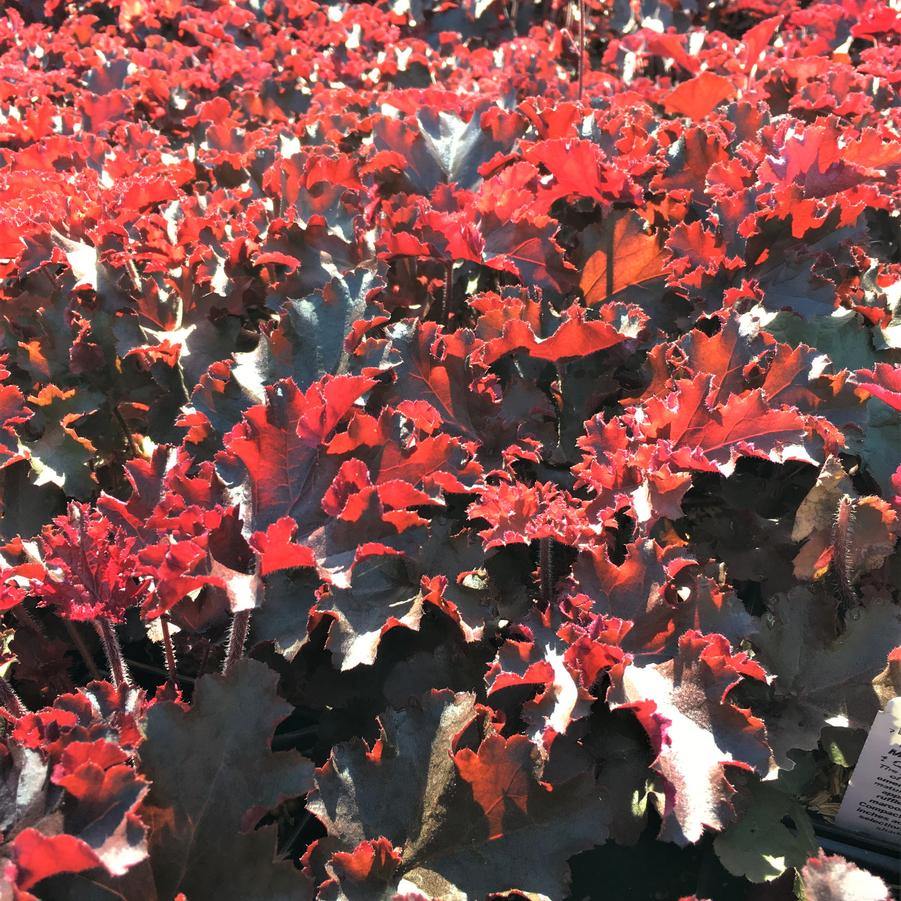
x,y
437,462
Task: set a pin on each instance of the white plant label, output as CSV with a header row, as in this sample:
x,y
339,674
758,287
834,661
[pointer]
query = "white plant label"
x,y
872,803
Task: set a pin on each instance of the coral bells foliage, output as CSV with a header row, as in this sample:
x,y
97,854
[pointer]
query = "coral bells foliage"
x,y
447,450
91,571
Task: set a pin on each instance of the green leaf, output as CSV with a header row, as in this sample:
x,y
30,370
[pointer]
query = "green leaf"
x,y
843,746
773,834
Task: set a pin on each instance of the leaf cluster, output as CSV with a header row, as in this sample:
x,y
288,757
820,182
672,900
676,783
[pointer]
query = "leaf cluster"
x,y
472,450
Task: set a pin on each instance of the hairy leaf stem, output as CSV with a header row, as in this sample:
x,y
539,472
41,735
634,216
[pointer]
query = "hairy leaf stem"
x,y
10,701
546,568
168,650
842,536
581,48
236,640
110,641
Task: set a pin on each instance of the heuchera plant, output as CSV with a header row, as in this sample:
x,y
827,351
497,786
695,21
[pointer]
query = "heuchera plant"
x,y
448,449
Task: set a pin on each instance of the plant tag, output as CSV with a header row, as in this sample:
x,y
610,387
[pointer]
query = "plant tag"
x,y
872,803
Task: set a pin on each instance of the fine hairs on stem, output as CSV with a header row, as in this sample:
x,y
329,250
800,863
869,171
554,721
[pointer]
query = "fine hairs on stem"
x,y
581,47
168,649
842,537
10,701
448,289
236,640
109,640
546,568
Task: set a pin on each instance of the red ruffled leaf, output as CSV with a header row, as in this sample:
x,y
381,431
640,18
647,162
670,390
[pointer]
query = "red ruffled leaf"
x,y
619,254
883,381
280,442
39,856
696,97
